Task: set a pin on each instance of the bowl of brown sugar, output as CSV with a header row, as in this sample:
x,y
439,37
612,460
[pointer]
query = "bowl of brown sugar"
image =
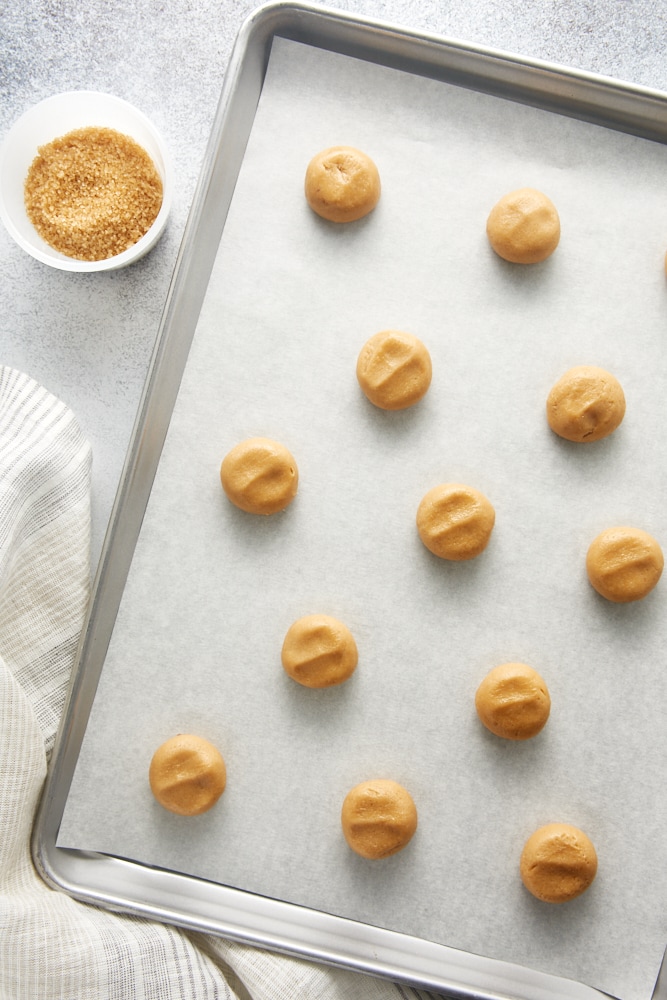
x,y
85,182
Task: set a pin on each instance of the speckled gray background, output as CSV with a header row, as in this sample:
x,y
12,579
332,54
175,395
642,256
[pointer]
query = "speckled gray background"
x,y
88,338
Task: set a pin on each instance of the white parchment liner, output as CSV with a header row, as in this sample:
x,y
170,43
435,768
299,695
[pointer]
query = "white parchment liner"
x,y
212,591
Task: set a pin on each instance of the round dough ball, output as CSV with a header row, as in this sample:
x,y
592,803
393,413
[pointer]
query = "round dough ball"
x,y
378,818
187,775
455,521
586,404
319,652
394,369
558,863
523,227
342,184
260,476
513,701
624,564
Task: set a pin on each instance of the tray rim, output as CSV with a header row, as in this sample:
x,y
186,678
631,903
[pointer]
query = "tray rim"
x,y
591,97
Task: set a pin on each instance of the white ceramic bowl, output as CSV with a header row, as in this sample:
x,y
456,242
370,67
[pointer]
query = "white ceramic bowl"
x,y
50,119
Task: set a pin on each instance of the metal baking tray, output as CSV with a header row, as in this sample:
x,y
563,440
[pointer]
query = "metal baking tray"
x,y
195,903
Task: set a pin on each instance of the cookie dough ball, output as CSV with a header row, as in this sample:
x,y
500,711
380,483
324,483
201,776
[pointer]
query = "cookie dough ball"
x,y
624,564
455,521
187,775
342,184
586,404
394,369
513,701
259,476
558,863
523,227
319,652
379,818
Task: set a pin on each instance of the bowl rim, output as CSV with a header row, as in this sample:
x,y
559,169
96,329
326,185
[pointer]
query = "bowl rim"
x,y
52,257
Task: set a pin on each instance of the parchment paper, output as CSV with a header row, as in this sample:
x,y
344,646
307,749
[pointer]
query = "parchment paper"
x,y
212,591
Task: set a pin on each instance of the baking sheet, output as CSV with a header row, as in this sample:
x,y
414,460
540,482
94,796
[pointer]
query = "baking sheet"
x,y
211,591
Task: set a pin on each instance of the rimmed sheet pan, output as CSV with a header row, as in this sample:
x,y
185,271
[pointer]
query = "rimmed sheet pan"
x,y
221,314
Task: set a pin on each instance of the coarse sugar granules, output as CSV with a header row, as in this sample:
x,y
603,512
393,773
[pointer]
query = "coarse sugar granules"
x,y
92,193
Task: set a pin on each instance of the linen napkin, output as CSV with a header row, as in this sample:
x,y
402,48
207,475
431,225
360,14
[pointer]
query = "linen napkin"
x,y
53,947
